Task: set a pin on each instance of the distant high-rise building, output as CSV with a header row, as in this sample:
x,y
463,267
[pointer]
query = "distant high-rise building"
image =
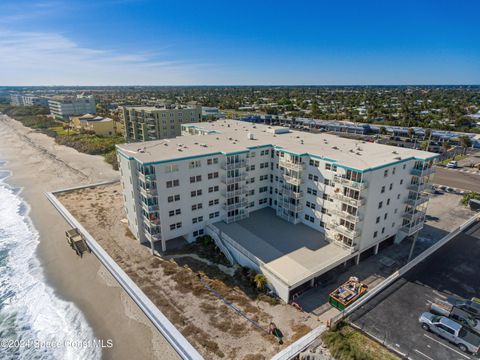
x,y
143,123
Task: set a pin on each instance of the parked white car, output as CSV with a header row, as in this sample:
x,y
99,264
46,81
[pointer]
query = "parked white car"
x,y
452,165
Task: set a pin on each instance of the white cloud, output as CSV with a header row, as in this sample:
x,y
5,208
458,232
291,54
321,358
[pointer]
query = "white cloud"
x,y
42,58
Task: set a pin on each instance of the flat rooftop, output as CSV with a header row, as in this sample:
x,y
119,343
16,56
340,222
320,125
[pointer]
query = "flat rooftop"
x,y
231,136
291,252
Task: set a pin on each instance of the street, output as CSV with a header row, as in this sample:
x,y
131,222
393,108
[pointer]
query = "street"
x,y
456,178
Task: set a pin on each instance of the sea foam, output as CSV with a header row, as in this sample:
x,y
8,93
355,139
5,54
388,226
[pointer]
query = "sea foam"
x,y
34,322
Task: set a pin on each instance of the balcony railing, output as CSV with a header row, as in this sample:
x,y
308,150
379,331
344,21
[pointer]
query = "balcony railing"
x,y
292,166
233,165
419,187
350,183
237,217
347,199
150,208
410,230
292,180
151,223
416,201
148,192
233,179
230,193
352,234
153,237
145,177
413,216
291,193
422,172
292,207
345,215
241,204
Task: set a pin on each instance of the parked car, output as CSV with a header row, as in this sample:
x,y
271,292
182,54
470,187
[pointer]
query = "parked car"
x,y
458,315
452,165
451,331
471,307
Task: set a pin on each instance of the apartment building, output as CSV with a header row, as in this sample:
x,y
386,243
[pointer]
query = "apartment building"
x,y
98,125
28,100
144,123
62,107
354,195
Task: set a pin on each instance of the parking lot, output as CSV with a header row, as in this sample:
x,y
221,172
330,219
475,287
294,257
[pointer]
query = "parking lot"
x,y
392,316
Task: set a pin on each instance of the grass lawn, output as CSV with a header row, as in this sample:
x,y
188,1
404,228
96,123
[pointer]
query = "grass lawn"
x,y
60,131
347,343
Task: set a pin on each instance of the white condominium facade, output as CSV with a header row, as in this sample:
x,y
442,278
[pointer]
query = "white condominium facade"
x,y
144,123
356,194
28,100
65,106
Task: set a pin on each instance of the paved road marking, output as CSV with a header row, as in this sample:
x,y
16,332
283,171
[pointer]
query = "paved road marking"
x,y
439,294
428,357
448,347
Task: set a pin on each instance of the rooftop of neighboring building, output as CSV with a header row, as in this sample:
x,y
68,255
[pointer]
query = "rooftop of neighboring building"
x,y
159,107
91,118
231,136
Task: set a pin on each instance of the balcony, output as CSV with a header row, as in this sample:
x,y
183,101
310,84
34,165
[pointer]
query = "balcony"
x,y
153,237
233,179
350,183
151,223
241,204
340,229
145,177
422,172
419,187
237,217
237,192
414,216
233,165
292,180
291,166
290,206
150,208
347,199
410,230
416,201
148,192
345,215
291,193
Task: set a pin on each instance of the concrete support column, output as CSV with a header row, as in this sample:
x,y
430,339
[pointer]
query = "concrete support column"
x,y
357,259
152,247
312,282
375,251
164,245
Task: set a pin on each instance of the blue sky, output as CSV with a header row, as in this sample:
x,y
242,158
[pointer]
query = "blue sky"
x,y
140,42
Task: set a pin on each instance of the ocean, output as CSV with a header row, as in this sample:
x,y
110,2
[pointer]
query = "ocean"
x,y
34,322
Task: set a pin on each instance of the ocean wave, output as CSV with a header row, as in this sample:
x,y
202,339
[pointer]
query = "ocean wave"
x,y
34,322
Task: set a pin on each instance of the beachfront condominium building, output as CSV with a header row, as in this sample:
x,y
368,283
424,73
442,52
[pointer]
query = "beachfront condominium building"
x,y
28,100
353,194
144,123
62,107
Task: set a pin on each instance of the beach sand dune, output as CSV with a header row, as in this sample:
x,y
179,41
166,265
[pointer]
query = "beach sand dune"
x,y
39,165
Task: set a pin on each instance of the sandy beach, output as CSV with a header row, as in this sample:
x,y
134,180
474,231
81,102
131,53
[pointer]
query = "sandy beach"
x,y
38,165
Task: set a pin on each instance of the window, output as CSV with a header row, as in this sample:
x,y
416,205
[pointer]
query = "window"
x,y
194,164
197,206
388,201
398,196
385,173
326,182
195,193
378,220
194,179
197,219
173,183
312,191
213,188
383,190
171,168
328,166
262,201
214,215
213,202
375,234
263,189
385,216
309,218
383,230
173,198
380,204
393,171
404,166
213,175
314,163
198,233
175,226
390,187
212,161
401,181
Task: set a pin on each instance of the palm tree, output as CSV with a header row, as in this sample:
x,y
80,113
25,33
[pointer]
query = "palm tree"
x,y
382,130
465,142
260,281
411,133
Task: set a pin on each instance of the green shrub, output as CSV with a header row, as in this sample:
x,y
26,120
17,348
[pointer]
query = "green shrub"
x,y
468,196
